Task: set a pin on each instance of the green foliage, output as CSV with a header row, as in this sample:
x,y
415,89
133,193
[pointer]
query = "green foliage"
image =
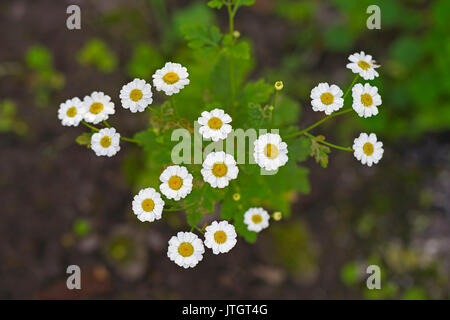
x,y
144,61
96,53
319,151
9,120
412,55
81,227
45,79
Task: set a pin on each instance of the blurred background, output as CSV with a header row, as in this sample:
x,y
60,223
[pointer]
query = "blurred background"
x,y
62,205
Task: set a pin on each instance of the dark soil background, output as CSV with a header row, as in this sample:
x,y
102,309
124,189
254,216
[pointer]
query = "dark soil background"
x,y
47,182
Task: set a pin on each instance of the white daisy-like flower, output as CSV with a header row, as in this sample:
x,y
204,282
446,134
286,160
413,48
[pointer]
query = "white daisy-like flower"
x,y
136,95
71,112
220,237
214,124
98,107
270,151
256,219
105,142
171,78
365,100
364,65
148,205
186,249
176,182
326,98
219,168
367,149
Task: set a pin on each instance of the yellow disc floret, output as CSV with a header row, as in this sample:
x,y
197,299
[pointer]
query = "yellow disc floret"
x,y
171,78
185,249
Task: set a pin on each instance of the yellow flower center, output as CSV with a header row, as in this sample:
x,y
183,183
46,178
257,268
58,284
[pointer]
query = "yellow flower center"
x,y
366,100
368,148
256,218
105,142
185,249
96,108
220,237
219,169
363,65
71,112
215,123
148,205
327,98
171,78
271,151
175,182
136,95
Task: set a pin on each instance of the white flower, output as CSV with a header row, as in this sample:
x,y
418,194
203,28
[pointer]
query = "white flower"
x,y
326,98
136,95
220,237
367,149
176,182
365,100
364,65
171,78
185,249
105,142
71,112
270,151
214,124
219,168
148,205
98,107
256,219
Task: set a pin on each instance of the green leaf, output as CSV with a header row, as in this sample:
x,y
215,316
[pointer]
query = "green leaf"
x,y
39,58
286,111
257,92
241,50
217,4
98,54
199,36
244,2
84,139
320,152
144,62
255,115
300,149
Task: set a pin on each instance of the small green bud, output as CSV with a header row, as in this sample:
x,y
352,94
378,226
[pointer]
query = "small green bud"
x,y
236,34
236,197
277,216
279,85
271,108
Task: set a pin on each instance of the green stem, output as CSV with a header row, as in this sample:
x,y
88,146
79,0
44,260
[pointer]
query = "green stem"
x,y
129,140
90,126
351,86
296,134
299,133
274,101
199,230
327,143
106,124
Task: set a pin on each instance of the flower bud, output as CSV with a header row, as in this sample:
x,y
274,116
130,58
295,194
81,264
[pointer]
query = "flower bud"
x,y
236,197
277,216
279,85
236,34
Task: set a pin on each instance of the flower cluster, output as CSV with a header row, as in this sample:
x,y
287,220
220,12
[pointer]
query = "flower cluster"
x,y
218,169
330,98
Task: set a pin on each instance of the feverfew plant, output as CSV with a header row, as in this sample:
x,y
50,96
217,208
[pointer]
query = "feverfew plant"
x,y
249,165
